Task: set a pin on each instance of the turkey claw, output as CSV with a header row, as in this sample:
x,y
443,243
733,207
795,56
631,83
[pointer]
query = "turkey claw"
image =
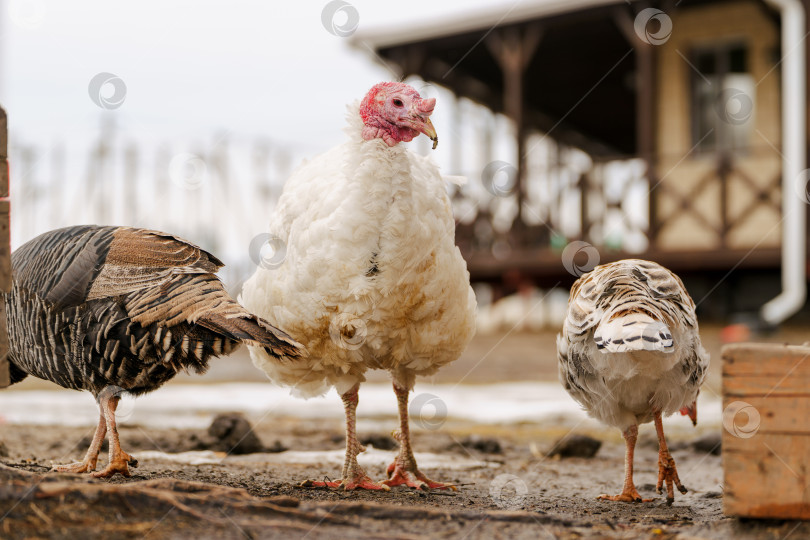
x,y
398,475
119,465
628,496
359,482
75,468
668,476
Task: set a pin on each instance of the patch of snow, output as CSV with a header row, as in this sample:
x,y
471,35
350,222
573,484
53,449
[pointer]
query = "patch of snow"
x,y
371,457
193,406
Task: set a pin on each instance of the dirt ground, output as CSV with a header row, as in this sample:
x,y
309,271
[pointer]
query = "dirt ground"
x,y
508,489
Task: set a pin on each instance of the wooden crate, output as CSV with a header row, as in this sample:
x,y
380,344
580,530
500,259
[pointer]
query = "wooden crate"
x,y
5,247
766,431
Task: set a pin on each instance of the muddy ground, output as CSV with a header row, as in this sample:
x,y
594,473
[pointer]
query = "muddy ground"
x,y
507,489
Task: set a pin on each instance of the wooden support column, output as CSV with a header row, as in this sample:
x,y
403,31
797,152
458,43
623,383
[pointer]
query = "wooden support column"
x,y
513,48
5,248
584,185
645,110
645,129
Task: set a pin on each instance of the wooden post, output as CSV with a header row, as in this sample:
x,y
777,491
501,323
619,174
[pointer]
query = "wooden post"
x,y
5,249
514,50
645,130
584,185
645,110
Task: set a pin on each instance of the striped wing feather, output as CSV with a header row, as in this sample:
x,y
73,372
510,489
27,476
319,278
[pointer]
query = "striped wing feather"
x,y
93,306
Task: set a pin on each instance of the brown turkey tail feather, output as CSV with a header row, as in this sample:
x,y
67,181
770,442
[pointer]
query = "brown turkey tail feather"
x,y
253,330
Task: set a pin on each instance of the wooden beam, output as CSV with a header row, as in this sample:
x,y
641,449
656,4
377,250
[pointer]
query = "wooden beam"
x,y
513,48
645,107
545,263
5,248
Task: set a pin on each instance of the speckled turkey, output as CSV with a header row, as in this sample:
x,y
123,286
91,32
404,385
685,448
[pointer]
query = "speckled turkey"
x,y
116,310
630,352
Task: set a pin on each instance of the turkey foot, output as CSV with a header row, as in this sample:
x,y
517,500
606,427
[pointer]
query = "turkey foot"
x,y
627,495
354,477
88,464
404,470
78,468
119,464
399,473
667,473
359,481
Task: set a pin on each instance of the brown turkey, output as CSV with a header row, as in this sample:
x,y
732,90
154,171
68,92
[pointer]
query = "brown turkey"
x,y
116,310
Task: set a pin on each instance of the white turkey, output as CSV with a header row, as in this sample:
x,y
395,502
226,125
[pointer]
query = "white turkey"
x,y
630,352
372,278
115,310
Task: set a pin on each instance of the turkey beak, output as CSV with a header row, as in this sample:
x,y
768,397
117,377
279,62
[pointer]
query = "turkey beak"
x,y
421,111
430,131
691,412
423,124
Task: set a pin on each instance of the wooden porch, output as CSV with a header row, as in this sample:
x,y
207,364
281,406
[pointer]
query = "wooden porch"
x,y
581,77
535,251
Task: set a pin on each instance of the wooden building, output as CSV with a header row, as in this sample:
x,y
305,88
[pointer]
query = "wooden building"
x,y
684,97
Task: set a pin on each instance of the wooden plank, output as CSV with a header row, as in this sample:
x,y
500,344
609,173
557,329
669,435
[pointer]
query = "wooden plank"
x,y
766,476
766,359
751,385
758,369
3,154
766,433
783,415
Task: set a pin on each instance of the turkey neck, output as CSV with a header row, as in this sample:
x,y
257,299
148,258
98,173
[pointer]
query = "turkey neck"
x,y
382,193
382,176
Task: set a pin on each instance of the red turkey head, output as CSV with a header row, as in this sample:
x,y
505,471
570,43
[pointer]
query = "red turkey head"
x,y
396,112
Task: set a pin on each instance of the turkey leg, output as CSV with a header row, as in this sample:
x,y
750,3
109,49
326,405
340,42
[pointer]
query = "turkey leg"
x,y
119,460
353,475
666,465
88,464
629,492
404,470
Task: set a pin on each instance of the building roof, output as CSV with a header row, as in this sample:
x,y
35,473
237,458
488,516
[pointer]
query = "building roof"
x,y
576,84
459,23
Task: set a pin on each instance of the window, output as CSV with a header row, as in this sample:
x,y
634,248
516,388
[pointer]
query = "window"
x,y
723,98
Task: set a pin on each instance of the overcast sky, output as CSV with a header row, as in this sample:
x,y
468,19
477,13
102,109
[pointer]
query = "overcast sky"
x,y
264,68
195,73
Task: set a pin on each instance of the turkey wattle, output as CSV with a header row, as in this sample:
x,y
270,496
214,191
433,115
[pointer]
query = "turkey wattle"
x,y
372,278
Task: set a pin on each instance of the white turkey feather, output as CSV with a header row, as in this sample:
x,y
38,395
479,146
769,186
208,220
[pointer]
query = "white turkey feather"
x,y
633,332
